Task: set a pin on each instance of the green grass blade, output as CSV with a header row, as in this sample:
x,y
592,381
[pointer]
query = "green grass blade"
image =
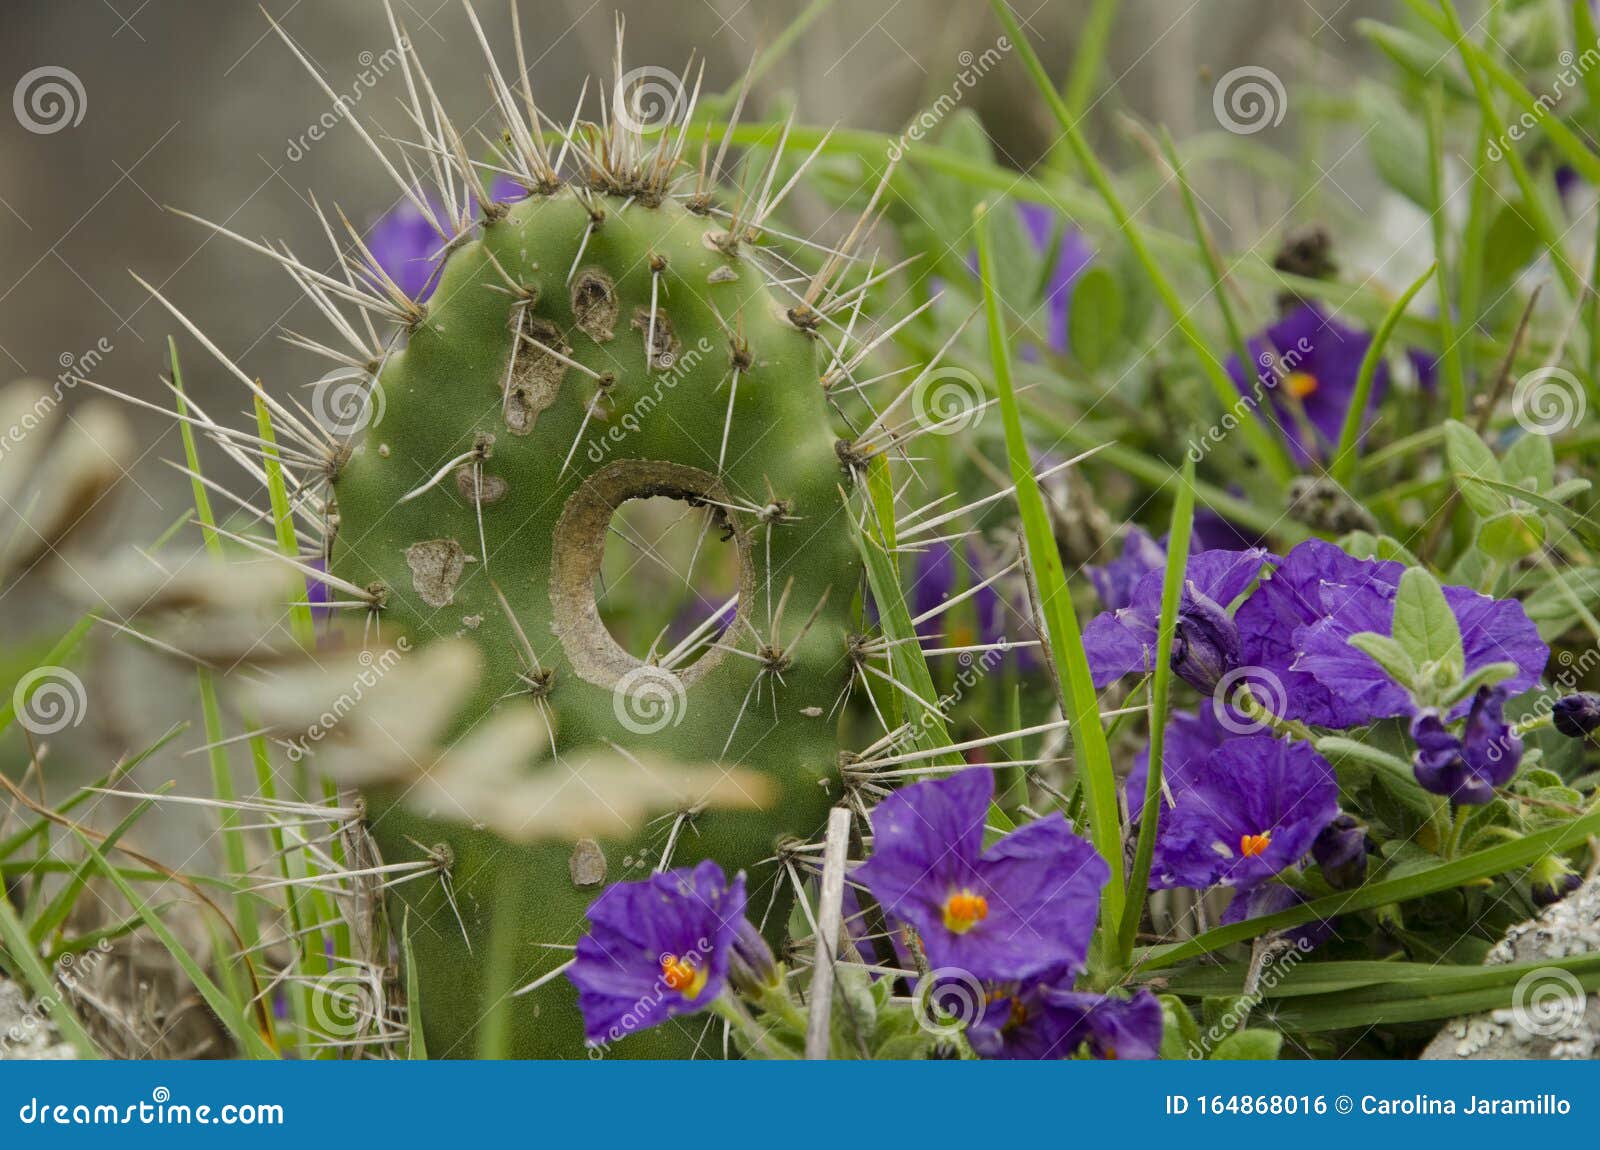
x,y
233,842
1082,703
1207,245
19,839
1563,139
66,898
1496,860
1093,37
20,948
1344,458
1359,301
1160,691
906,661
300,620
1263,441
1534,205
416,1044
1455,379
226,1010
57,655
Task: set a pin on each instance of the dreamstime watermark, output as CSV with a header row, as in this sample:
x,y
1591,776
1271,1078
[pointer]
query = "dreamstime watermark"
x,y
659,1000
972,69
1548,400
70,970
970,672
373,69
1573,68
347,400
76,368
160,1110
48,99
948,400
649,699
649,99
1548,1002
1248,99
1273,369
374,668
48,700
347,1001
1574,671
947,1000
1276,963
1246,699
629,422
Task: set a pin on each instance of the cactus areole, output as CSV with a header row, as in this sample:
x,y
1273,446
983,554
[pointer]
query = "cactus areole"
x,y
581,352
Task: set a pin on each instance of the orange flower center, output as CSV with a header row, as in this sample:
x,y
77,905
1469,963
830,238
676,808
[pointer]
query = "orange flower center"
x,y
1300,384
964,910
681,976
1252,845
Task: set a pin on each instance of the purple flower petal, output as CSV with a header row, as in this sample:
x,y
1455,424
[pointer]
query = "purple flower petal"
x,y
1025,906
1253,807
1115,582
620,968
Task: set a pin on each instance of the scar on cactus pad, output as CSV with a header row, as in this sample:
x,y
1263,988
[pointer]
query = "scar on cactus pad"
x,y
614,333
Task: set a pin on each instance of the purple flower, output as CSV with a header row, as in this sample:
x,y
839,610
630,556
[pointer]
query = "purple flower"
x,y
1024,906
1308,363
1576,716
1466,768
1206,645
1425,366
407,248
656,949
1114,582
1251,808
1042,1022
997,621
935,581
1190,739
1073,256
1297,623
1213,531
1127,1029
318,592
1315,583
1552,880
1341,852
1492,631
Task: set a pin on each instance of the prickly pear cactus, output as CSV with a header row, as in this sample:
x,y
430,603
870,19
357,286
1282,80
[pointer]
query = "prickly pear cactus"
x,y
582,352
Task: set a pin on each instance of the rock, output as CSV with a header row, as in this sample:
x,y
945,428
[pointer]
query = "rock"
x,y
1550,1016
25,1031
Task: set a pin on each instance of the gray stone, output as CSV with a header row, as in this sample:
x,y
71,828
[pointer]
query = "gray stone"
x,y
25,1031
1550,1017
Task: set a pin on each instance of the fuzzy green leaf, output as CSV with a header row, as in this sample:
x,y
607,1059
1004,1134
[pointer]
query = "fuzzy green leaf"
x,y
1389,654
1249,1045
1094,321
1424,626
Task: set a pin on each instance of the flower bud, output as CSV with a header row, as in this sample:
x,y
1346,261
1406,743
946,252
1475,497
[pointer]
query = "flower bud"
x,y
1576,716
1341,851
1206,644
751,966
1553,880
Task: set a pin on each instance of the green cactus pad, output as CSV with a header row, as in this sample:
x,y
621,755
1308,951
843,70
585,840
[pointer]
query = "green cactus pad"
x,y
551,450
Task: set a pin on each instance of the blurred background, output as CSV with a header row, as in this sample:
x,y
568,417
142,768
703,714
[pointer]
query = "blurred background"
x,y
197,104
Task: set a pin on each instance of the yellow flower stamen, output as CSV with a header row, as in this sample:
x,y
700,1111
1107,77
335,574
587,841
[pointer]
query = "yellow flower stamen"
x,y
1252,845
1300,384
682,976
964,910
